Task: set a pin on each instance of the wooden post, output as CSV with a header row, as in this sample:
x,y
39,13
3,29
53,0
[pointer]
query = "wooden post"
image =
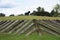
x,y
38,30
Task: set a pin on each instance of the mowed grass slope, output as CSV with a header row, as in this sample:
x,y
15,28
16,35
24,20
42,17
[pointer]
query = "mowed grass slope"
x,y
30,37
29,18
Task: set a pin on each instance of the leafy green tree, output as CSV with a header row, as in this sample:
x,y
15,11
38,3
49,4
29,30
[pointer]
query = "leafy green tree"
x,y
12,15
42,9
21,15
2,15
52,13
40,12
33,13
57,10
39,9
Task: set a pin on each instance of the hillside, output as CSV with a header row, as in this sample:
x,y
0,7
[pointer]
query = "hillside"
x,y
29,18
24,28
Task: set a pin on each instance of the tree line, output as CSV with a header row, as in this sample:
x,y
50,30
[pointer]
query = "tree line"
x,y
41,12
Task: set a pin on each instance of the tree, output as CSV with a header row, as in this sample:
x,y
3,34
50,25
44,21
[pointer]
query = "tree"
x,y
20,15
40,12
38,9
57,9
42,9
2,15
52,13
12,15
33,13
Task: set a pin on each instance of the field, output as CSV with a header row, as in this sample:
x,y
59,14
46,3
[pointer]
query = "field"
x,y
17,27
29,18
31,37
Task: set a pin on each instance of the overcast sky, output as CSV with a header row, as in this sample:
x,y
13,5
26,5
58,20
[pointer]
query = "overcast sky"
x,y
21,6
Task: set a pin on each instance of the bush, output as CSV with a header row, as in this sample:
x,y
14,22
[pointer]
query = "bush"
x,y
2,15
12,15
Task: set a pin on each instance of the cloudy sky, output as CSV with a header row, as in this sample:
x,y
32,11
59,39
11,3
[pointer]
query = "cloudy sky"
x,y
21,6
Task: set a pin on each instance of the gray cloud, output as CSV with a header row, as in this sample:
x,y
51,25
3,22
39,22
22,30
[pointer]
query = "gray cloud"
x,y
7,6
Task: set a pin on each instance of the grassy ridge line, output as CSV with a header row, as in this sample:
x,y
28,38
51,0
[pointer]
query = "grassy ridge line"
x,y
29,18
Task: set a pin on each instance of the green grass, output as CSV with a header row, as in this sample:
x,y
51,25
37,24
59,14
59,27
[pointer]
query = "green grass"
x,y
29,18
31,37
